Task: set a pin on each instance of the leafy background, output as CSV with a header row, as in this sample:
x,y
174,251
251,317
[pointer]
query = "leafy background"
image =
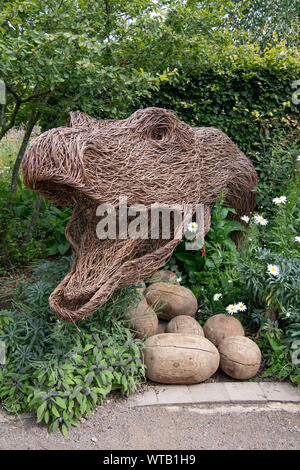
x,y
226,64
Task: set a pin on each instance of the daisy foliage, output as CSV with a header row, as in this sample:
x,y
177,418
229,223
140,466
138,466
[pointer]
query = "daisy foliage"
x,y
231,309
270,279
217,297
192,227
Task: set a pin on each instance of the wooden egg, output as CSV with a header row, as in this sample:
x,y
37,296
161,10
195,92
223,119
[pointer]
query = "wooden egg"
x,y
185,325
240,357
142,319
163,275
175,358
171,300
219,326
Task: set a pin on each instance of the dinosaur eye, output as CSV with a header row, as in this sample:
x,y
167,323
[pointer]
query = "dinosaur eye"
x,y
154,124
161,127
159,132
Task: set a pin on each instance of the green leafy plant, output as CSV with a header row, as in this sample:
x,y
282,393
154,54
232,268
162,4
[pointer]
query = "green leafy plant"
x,y
277,356
264,289
64,388
210,271
56,369
278,172
48,237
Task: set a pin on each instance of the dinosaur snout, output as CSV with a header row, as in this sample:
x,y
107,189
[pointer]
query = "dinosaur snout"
x,y
52,169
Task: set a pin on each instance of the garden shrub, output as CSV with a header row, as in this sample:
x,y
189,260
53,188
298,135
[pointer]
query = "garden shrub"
x,y
207,270
250,102
49,232
57,369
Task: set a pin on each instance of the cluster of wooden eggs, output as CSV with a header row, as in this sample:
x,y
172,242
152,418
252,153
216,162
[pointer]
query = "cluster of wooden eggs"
x,y
178,350
240,357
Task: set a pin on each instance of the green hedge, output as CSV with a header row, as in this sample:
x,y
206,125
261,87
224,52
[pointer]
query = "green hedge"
x,y
248,104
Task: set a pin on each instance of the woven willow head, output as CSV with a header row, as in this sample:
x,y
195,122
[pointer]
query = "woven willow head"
x,y
150,158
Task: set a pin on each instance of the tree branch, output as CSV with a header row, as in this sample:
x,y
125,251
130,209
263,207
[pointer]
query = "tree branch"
x,y
6,128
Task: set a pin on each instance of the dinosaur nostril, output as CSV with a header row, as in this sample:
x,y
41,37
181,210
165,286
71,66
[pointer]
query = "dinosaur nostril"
x,y
60,194
159,133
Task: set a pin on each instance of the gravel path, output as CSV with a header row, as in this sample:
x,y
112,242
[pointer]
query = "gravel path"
x,y
117,426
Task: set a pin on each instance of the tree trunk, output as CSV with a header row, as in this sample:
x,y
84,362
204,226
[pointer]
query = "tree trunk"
x,y
33,219
32,120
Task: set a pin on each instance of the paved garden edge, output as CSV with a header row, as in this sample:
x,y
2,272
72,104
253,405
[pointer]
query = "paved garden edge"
x,y
222,392
228,393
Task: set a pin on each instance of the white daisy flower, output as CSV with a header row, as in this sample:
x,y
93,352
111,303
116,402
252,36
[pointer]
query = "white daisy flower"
x,y
179,279
192,227
230,281
231,309
273,269
297,239
241,307
258,219
216,297
298,158
288,314
279,200
245,218
250,239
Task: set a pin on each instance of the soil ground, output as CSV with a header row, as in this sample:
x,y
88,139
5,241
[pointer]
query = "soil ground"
x,y
117,426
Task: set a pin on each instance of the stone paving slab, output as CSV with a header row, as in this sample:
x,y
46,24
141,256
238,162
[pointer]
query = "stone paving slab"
x,y
203,393
206,393
139,399
245,392
283,392
227,392
178,394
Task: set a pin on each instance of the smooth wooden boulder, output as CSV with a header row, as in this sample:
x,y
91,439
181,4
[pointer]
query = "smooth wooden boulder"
x,y
240,357
185,325
142,320
174,358
220,326
171,300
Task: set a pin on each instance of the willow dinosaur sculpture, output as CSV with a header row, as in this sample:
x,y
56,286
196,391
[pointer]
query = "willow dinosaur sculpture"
x,y
151,157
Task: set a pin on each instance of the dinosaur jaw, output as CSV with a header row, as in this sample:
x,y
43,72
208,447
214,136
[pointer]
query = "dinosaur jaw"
x,y
102,266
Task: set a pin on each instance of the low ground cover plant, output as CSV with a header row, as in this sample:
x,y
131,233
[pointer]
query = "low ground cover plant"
x,y
57,369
